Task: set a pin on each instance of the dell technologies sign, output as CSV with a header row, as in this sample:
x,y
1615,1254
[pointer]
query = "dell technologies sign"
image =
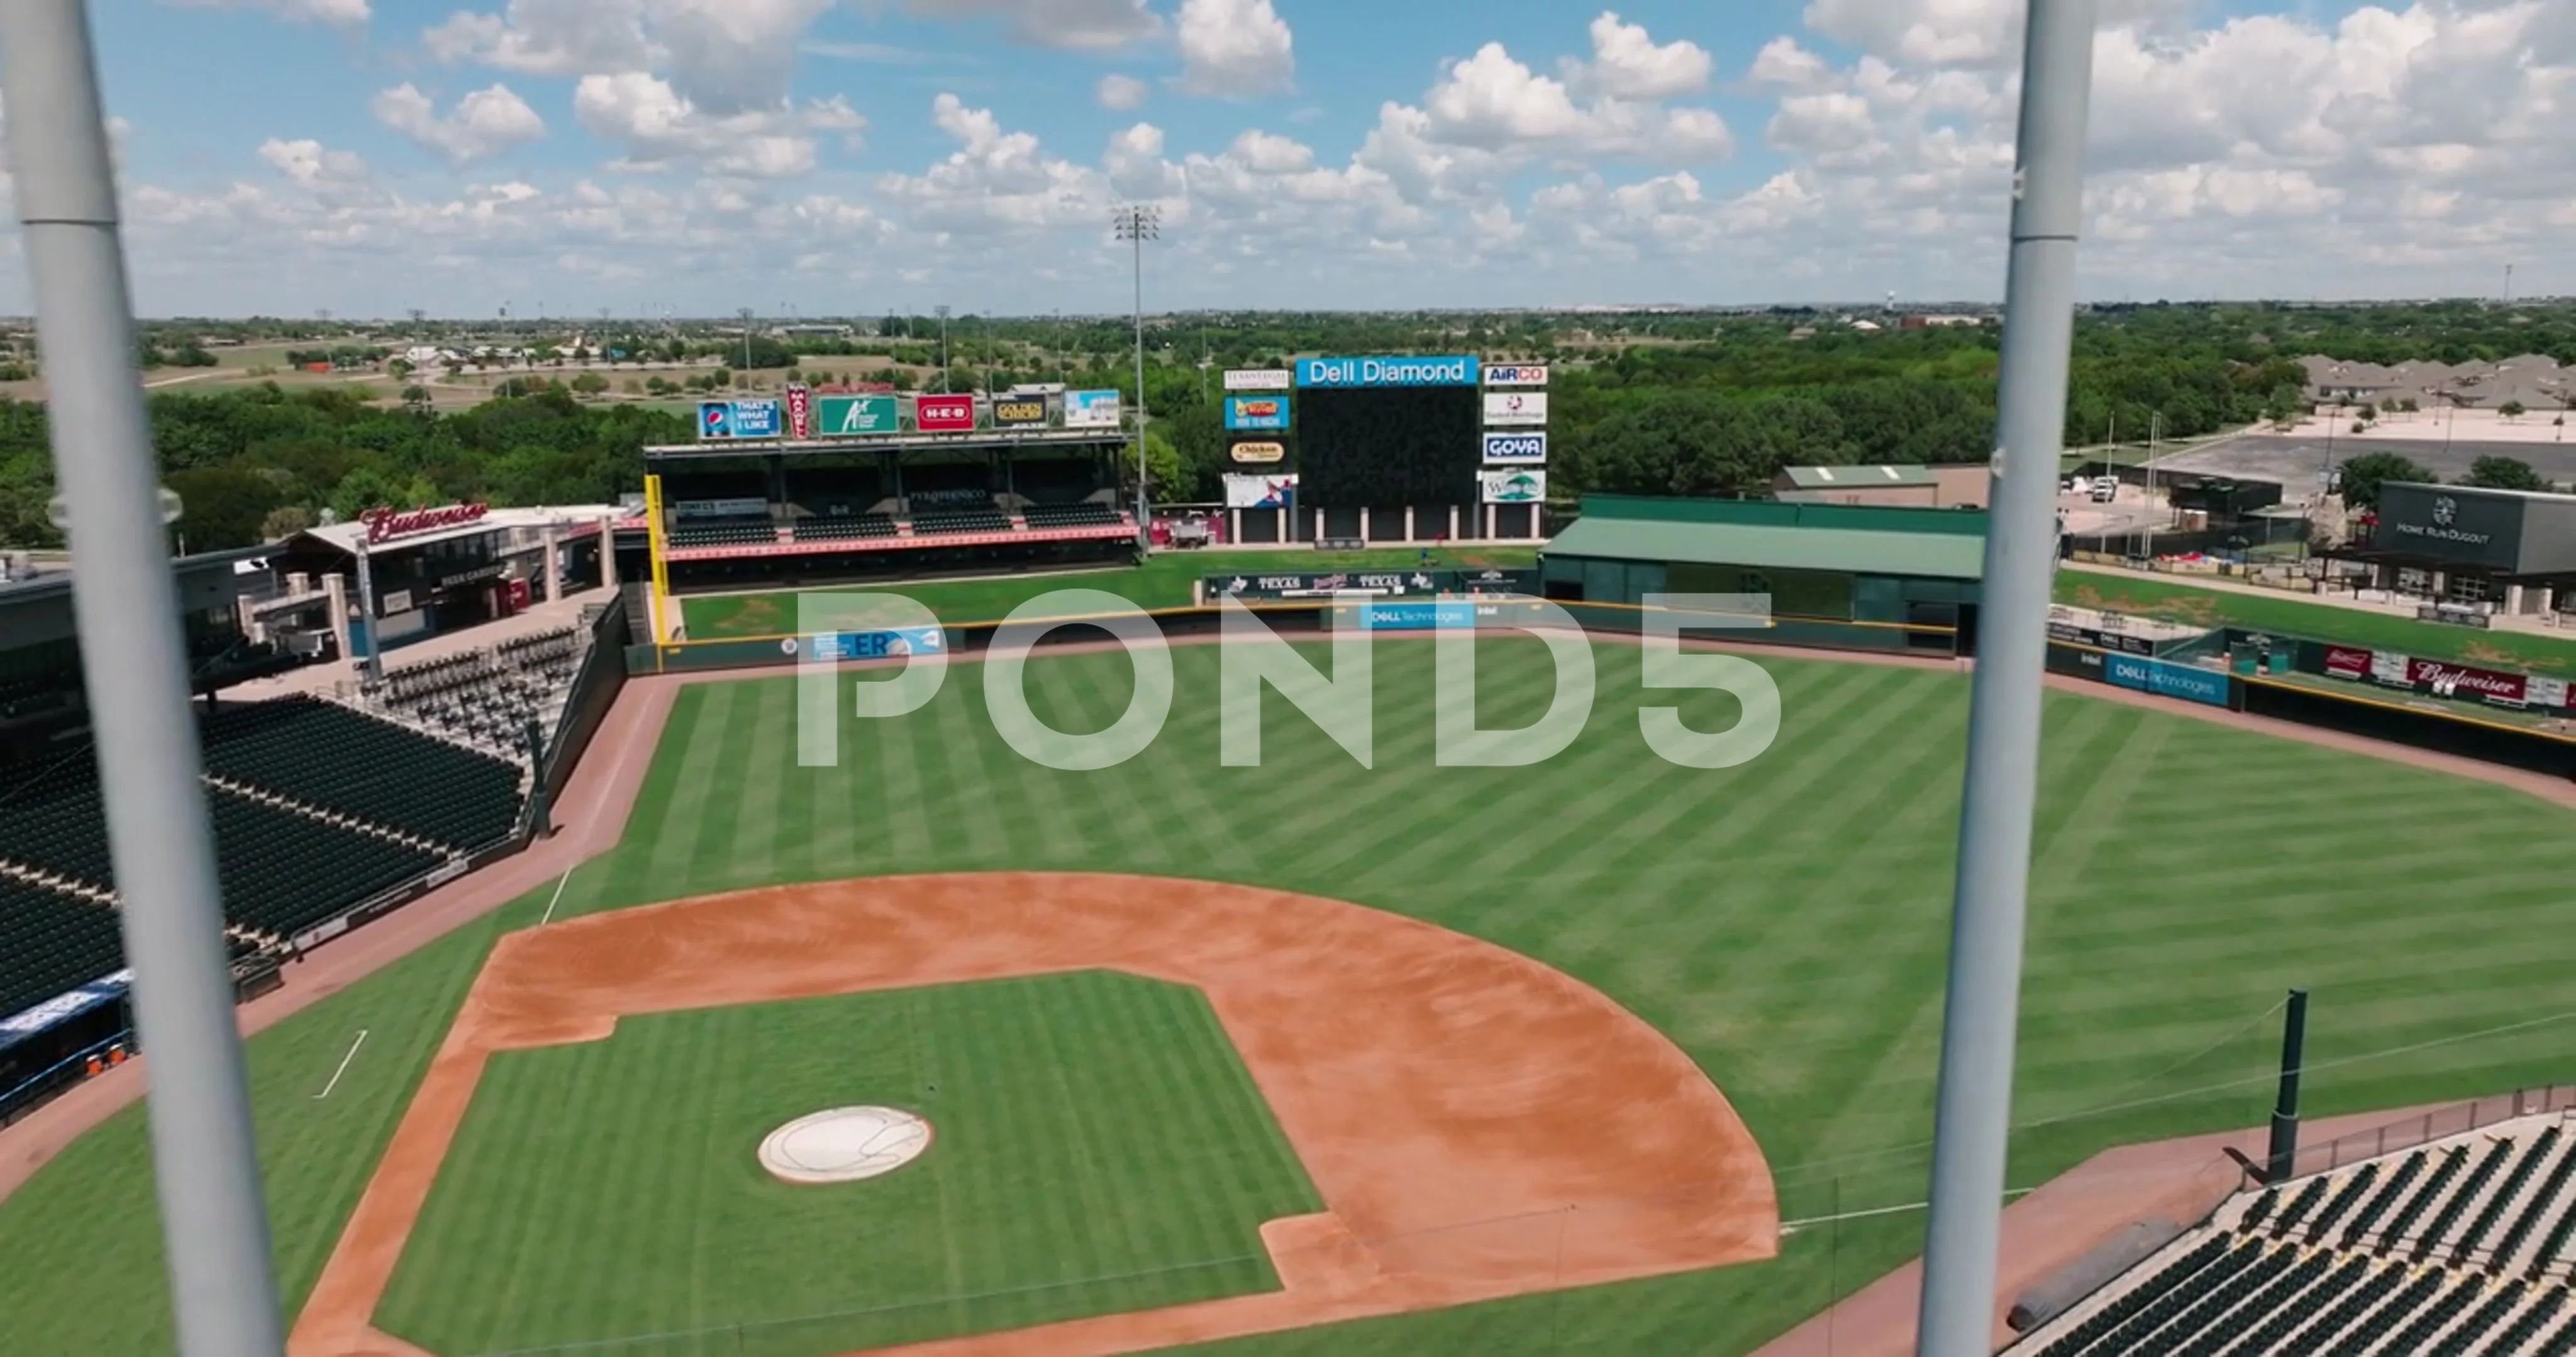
x,y
1515,449
1360,372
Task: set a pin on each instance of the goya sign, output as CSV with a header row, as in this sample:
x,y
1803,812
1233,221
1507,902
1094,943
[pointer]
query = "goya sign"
x,y
1515,449
855,416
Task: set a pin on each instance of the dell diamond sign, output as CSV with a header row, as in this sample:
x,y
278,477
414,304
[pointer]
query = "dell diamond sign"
x,y
1515,449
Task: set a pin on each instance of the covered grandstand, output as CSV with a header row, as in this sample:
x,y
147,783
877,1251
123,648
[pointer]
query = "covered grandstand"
x,y
2457,1246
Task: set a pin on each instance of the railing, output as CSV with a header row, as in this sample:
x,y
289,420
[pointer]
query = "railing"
x,y
2423,1129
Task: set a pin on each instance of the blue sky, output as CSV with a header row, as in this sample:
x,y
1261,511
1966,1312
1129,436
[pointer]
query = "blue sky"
x,y
293,155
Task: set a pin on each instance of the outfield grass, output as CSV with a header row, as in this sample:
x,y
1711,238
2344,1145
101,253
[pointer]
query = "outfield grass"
x,y
2156,597
1162,582
1098,1147
1785,922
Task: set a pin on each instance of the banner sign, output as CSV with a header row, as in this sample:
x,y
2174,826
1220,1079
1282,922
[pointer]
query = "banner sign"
x,y
1268,413
1258,454
1259,379
1311,584
800,412
1521,449
858,416
871,645
724,421
1515,407
2166,680
2460,680
1091,409
2389,669
1512,486
2344,662
1019,412
384,525
2101,640
943,414
1418,616
1515,376
1363,372
65,1006
1243,491
2444,679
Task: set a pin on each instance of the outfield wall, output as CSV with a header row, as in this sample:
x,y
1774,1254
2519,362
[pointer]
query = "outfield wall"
x,y
2239,672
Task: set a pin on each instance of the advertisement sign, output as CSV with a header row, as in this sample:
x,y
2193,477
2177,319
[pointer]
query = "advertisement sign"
x,y
2099,639
726,420
1365,372
857,416
1017,412
2460,680
1259,379
1417,616
2344,662
1515,376
1259,492
1258,454
1515,407
800,412
1518,449
2166,680
2448,523
1091,409
1512,486
384,525
873,645
64,1007
1256,412
943,414
748,507
1312,584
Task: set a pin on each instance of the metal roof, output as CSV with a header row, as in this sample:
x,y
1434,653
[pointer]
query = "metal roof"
x,y
346,536
1934,555
1858,477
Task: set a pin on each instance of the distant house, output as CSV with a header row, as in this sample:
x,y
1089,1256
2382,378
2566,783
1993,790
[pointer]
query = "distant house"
x,y
1921,487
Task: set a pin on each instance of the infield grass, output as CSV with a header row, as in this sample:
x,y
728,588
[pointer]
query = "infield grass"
x,y
1163,581
1785,922
1097,1147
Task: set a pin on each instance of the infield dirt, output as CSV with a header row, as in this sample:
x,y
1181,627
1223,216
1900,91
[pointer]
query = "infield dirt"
x,y
1479,1125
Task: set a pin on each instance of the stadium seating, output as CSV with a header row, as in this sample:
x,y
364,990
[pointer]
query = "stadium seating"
x,y
2447,1249
50,943
842,529
283,873
331,757
724,532
1069,515
983,517
487,697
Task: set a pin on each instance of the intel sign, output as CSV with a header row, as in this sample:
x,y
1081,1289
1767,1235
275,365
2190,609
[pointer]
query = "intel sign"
x,y
1524,449
1358,372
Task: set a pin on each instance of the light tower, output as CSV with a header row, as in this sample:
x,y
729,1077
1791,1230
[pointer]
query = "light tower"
x,y
1137,223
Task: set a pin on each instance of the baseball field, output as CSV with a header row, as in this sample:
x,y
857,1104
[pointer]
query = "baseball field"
x,y
1203,1033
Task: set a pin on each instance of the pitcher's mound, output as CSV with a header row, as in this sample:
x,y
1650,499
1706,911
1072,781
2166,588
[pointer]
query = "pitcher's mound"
x,y
844,1145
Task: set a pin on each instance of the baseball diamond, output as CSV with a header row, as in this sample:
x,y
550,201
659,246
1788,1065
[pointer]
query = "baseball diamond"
x,y
1299,1058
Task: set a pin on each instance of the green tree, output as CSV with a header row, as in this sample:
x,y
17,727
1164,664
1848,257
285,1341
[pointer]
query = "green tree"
x,y
589,384
222,507
2510,409
2363,475
2503,473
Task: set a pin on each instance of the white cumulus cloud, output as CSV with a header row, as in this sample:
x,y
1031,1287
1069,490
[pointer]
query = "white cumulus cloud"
x,y
1234,48
483,123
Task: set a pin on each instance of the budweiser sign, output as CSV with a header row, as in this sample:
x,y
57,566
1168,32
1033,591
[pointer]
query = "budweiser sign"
x,y
384,525
2346,662
2461,679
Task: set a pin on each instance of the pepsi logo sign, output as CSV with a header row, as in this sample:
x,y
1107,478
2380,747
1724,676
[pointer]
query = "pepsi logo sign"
x,y
1523,448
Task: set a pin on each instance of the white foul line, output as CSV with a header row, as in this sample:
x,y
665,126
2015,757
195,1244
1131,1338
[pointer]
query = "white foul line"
x,y
550,904
344,1066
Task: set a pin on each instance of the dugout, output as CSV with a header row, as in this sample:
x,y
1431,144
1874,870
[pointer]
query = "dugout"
x,y
1852,577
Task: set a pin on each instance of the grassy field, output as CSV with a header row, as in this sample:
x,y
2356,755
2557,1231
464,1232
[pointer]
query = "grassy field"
x,y
1785,922
1162,582
2153,597
1098,1148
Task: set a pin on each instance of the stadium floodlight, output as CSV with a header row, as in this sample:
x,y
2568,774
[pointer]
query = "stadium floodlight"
x,y
1972,1123
942,309
1137,223
214,1224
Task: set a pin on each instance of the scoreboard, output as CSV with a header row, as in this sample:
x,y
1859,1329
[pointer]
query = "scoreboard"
x,y
1388,431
